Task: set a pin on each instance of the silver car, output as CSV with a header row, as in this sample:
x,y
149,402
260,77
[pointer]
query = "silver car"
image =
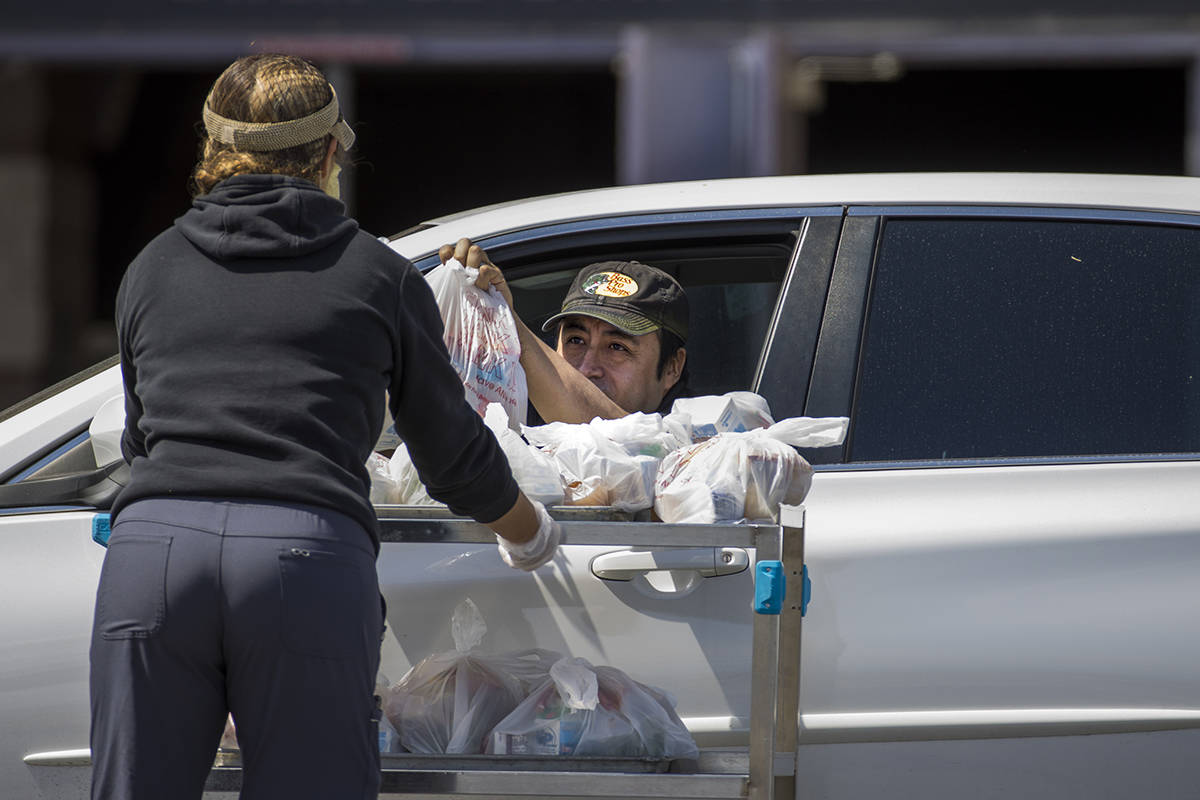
x,y
1003,553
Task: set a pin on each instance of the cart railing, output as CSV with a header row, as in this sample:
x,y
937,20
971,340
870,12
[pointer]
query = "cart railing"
x,y
762,772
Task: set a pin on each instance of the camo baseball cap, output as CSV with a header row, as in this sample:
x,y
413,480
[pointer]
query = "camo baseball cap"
x,y
636,298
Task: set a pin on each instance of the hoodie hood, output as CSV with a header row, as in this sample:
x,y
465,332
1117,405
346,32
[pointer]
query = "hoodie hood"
x,y
264,216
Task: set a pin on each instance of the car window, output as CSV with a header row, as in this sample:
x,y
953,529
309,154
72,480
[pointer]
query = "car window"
x,y
998,338
732,290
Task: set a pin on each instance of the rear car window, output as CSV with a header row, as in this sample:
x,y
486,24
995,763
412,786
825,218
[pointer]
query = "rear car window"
x,y
999,338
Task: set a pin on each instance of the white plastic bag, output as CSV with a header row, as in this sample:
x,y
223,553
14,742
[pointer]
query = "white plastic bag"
x,y
732,412
482,339
594,711
395,481
383,486
536,472
735,476
640,434
595,470
409,489
449,702
610,462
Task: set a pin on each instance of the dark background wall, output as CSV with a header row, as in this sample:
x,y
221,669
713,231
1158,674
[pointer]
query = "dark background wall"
x,y
462,103
1064,119
430,142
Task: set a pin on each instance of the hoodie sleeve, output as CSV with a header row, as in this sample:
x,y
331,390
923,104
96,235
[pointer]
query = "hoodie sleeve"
x,y
455,454
133,441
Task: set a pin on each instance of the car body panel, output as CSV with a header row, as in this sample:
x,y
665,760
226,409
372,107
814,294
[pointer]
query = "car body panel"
x,y
51,568
1018,625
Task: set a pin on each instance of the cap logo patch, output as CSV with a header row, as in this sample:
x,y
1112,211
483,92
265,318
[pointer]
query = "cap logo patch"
x,y
610,284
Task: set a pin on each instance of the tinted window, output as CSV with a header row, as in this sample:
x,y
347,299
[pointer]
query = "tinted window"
x,y
1006,338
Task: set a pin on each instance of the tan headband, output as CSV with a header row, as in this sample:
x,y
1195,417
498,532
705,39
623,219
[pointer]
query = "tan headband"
x,y
266,136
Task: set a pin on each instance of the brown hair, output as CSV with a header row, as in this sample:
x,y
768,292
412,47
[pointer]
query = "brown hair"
x,y
268,87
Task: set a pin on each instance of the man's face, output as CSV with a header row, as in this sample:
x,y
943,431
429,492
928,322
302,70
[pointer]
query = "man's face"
x,y
624,367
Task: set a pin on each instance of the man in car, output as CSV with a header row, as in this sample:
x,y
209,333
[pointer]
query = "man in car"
x,y
620,344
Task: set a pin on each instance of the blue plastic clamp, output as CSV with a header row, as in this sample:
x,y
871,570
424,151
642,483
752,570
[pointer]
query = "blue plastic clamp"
x,y
101,528
806,590
770,586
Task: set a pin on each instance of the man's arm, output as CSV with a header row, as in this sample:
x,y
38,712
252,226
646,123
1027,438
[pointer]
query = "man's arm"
x,y
558,391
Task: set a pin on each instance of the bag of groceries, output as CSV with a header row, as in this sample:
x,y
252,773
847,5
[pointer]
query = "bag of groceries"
x,y
383,488
593,711
449,702
609,462
732,412
742,476
481,336
640,434
394,481
535,472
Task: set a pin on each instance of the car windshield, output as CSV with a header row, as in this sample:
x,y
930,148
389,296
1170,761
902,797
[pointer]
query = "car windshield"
x,y
62,385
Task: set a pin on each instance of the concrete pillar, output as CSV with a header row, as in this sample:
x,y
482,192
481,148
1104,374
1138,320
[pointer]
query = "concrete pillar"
x,y
758,129
25,185
694,106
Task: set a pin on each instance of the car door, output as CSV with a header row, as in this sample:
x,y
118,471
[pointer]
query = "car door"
x,y
1004,552
51,494
669,627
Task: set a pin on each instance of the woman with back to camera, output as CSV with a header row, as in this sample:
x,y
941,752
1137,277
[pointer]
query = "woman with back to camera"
x,y
258,336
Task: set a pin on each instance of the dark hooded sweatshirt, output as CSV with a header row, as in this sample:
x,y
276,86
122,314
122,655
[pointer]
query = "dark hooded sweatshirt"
x,y
258,336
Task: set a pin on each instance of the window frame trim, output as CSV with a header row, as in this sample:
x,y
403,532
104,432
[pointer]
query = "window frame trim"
x,y
1076,214
603,225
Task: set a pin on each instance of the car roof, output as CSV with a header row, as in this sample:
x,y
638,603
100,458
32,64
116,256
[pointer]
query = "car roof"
x,y
1071,190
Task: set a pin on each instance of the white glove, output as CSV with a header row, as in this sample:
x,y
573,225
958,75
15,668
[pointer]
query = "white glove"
x,y
537,551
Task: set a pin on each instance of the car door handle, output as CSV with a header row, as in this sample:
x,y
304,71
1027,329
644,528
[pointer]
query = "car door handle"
x,y
625,565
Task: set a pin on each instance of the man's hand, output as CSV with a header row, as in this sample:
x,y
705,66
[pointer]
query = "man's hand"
x,y
472,255
558,391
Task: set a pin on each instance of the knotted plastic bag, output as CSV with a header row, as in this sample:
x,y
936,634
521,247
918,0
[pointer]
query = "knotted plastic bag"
x,y
395,481
409,491
609,462
481,337
732,412
535,472
594,711
640,434
449,702
747,475
383,486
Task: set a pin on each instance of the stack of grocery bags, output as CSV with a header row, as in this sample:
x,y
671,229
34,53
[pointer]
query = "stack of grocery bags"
x,y
717,458
526,703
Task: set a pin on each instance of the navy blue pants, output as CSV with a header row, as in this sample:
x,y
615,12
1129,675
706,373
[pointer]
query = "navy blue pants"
x,y
270,611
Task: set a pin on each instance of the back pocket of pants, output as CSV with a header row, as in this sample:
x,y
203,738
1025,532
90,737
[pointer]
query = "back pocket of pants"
x,y
132,600
323,612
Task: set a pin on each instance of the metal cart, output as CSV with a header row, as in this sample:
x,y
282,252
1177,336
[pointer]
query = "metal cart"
x,y
763,771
